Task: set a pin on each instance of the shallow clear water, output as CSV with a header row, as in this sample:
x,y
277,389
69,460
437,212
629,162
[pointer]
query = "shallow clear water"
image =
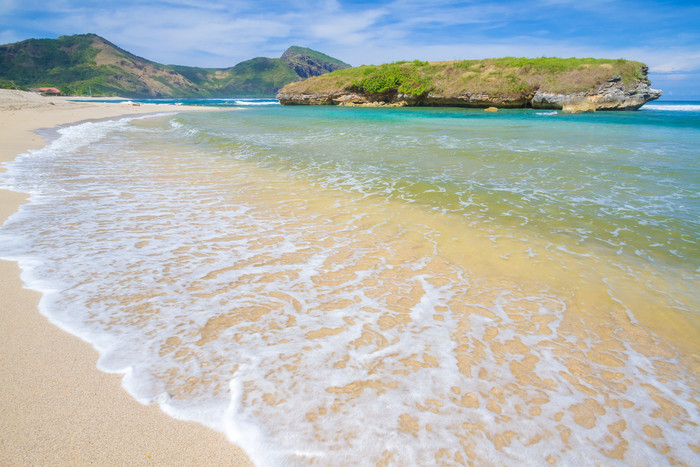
x,y
397,286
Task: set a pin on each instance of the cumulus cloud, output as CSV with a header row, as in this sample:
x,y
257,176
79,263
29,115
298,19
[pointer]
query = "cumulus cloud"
x,y
354,28
682,60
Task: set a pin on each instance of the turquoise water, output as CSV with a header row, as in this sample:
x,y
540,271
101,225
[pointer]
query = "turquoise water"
x,y
594,177
347,286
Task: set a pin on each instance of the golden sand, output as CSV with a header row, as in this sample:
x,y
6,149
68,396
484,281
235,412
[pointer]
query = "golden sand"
x,y
591,344
56,408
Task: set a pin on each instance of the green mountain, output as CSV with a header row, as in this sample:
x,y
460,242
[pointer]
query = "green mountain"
x,y
307,62
87,63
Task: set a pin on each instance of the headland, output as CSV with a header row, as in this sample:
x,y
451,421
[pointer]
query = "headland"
x,y
570,85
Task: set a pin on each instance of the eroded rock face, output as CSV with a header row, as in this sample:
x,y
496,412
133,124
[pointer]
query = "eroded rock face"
x,y
305,99
467,99
306,66
612,95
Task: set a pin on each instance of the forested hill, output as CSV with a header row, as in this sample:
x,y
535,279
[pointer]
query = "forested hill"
x,y
87,63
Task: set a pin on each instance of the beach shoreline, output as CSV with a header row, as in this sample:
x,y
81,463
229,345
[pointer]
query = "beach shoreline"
x,y
56,407
472,295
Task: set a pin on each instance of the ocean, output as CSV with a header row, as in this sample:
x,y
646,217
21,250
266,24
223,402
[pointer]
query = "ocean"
x,y
383,286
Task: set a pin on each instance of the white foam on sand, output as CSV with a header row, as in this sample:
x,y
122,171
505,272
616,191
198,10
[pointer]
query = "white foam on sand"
x,y
239,298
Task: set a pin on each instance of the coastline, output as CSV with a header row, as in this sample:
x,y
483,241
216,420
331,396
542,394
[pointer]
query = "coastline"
x,y
230,278
56,407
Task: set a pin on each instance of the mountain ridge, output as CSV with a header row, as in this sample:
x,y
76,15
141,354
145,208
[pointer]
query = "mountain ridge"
x,y
85,64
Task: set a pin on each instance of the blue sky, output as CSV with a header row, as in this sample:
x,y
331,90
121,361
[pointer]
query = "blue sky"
x,y
217,33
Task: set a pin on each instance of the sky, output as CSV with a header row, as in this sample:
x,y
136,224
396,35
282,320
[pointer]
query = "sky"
x,y
216,33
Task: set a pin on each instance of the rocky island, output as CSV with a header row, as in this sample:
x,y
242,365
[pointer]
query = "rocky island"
x,y
568,84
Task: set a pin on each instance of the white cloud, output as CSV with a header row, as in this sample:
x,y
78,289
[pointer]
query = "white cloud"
x,y
348,28
419,12
218,34
677,76
673,61
202,37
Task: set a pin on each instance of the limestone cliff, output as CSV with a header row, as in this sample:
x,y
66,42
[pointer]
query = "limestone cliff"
x,y
571,85
614,95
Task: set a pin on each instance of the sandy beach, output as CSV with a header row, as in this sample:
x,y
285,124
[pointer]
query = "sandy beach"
x,y
56,408
338,286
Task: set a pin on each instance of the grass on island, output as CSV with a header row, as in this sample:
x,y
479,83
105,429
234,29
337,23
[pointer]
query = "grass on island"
x,y
496,76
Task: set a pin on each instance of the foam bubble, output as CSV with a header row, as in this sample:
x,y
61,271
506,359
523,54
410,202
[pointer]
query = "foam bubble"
x,y
312,321
255,102
673,107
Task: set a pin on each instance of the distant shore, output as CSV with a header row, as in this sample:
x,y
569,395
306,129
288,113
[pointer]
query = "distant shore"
x,y
56,408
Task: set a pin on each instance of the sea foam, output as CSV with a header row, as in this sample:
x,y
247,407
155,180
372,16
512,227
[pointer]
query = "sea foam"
x,y
332,319
673,107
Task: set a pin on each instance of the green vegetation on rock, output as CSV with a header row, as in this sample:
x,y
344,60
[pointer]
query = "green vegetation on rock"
x,y
497,76
405,80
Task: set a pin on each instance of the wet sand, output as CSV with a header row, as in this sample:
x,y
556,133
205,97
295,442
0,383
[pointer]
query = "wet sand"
x,y
56,408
